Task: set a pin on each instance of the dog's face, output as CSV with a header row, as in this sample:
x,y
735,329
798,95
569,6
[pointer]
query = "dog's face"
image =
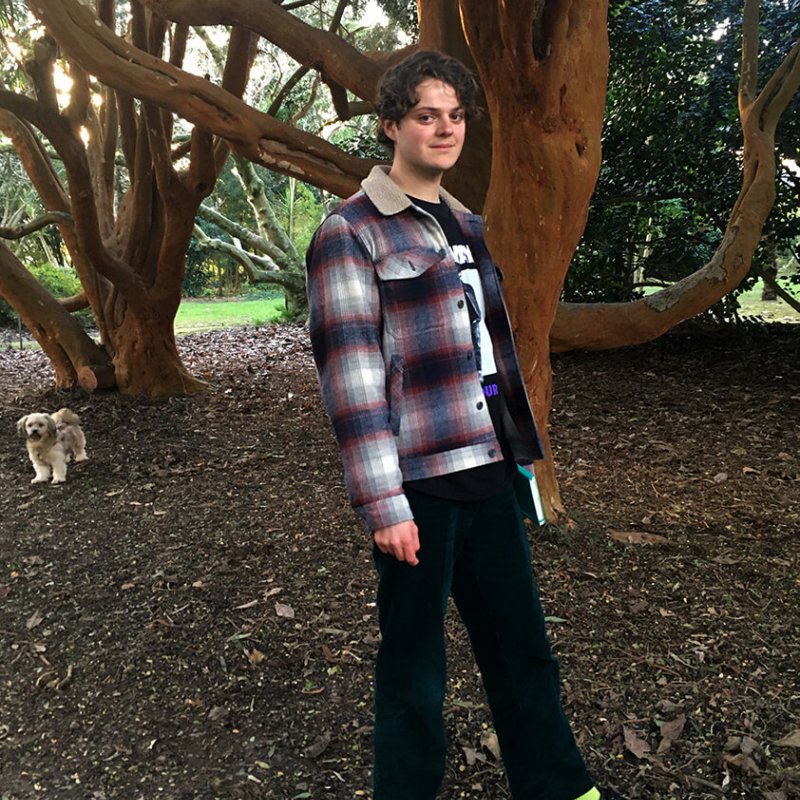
x,y
36,427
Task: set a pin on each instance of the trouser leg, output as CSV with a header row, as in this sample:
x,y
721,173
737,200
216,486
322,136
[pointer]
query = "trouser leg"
x,y
410,672
496,595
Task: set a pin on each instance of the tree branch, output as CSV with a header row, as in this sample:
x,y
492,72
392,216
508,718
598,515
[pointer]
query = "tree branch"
x,y
257,268
236,231
787,298
310,46
748,78
51,217
779,89
253,134
73,155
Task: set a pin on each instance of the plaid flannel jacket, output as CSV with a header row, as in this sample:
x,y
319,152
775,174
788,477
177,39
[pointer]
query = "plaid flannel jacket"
x,y
390,333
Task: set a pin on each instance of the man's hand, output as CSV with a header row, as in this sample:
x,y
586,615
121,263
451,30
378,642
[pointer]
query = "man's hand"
x,y
400,540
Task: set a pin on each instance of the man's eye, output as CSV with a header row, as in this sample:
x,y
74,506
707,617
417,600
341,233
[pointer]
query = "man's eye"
x,y
457,117
425,117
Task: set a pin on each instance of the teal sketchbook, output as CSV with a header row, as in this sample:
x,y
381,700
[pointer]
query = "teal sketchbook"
x,y
528,497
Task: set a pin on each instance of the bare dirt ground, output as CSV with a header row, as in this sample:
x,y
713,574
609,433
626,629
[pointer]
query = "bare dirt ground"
x,y
192,614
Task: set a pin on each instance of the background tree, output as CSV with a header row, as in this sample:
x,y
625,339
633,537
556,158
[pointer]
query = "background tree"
x,y
543,68
672,150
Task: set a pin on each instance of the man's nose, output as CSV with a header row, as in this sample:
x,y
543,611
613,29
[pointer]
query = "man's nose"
x,y
445,126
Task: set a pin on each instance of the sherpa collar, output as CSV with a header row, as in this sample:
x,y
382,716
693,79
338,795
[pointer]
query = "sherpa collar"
x,y
389,198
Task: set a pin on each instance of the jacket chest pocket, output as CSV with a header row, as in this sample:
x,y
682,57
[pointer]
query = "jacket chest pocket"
x,y
415,287
408,264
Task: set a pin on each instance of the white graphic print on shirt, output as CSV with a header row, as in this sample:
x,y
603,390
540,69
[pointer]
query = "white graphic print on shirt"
x,y
474,292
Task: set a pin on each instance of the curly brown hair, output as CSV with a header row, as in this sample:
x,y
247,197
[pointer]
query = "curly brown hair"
x,y
397,92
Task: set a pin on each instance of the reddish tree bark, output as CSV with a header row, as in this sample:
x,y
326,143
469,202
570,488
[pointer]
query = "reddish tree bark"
x,y
543,67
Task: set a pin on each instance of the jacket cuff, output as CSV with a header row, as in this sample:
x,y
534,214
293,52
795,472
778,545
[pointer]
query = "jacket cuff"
x,y
384,512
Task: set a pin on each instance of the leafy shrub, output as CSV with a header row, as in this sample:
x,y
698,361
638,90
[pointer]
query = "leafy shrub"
x,y
60,282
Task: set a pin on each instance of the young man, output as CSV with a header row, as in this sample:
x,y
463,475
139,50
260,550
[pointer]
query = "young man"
x,y
419,375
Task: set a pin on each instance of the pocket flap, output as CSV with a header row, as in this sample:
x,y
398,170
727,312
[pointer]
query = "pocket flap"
x,y
407,264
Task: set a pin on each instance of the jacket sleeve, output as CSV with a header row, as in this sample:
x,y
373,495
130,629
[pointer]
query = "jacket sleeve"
x,y
345,327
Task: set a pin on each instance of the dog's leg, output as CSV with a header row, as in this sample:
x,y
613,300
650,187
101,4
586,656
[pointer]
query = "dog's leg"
x,y
42,472
59,471
80,448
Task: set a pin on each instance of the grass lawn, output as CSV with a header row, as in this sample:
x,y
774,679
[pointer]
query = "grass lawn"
x,y
206,315
209,315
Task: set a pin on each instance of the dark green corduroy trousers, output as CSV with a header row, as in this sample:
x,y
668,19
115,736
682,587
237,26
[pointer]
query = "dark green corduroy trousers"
x,y
478,552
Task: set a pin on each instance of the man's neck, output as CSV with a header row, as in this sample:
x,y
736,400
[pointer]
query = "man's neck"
x,y
423,187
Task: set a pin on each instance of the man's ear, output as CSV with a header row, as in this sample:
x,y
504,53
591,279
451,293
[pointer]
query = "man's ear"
x,y
389,128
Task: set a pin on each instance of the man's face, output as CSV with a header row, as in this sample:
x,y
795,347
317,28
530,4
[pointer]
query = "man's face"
x,y
429,138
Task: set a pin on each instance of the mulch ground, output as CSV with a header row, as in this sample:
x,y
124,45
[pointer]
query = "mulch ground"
x,y
192,614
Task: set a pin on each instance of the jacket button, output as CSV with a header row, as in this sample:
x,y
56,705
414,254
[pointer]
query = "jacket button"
x,y
492,453
469,355
461,304
480,405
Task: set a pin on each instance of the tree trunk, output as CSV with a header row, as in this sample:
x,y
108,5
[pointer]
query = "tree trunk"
x,y
146,359
546,107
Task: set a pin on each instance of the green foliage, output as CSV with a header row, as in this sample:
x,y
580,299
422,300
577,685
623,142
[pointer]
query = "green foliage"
x,y
402,13
358,138
672,145
60,282
306,213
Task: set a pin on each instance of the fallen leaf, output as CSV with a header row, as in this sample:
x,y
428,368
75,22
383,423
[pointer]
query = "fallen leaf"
x,y
742,762
637,537
319,746
750,471
489,742
671,732
255,656
635,744
328,653
792,740
282,610
35,619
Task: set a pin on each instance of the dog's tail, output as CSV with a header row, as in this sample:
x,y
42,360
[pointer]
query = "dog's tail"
x,y
67,416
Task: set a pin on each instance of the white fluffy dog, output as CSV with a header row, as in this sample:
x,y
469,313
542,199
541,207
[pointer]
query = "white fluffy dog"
x,y
52,441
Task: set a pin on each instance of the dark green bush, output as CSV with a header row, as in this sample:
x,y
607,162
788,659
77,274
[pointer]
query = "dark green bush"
x,y
60,282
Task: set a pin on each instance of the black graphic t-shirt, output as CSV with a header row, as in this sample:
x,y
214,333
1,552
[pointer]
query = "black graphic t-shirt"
x,y
485,481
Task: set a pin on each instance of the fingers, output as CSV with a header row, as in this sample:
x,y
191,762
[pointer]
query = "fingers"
x,y
400,541
412,547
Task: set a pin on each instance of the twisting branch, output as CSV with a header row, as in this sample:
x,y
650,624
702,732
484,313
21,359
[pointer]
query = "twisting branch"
x,y
780,88
50,218
306,44
253,134
253,241
259,269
